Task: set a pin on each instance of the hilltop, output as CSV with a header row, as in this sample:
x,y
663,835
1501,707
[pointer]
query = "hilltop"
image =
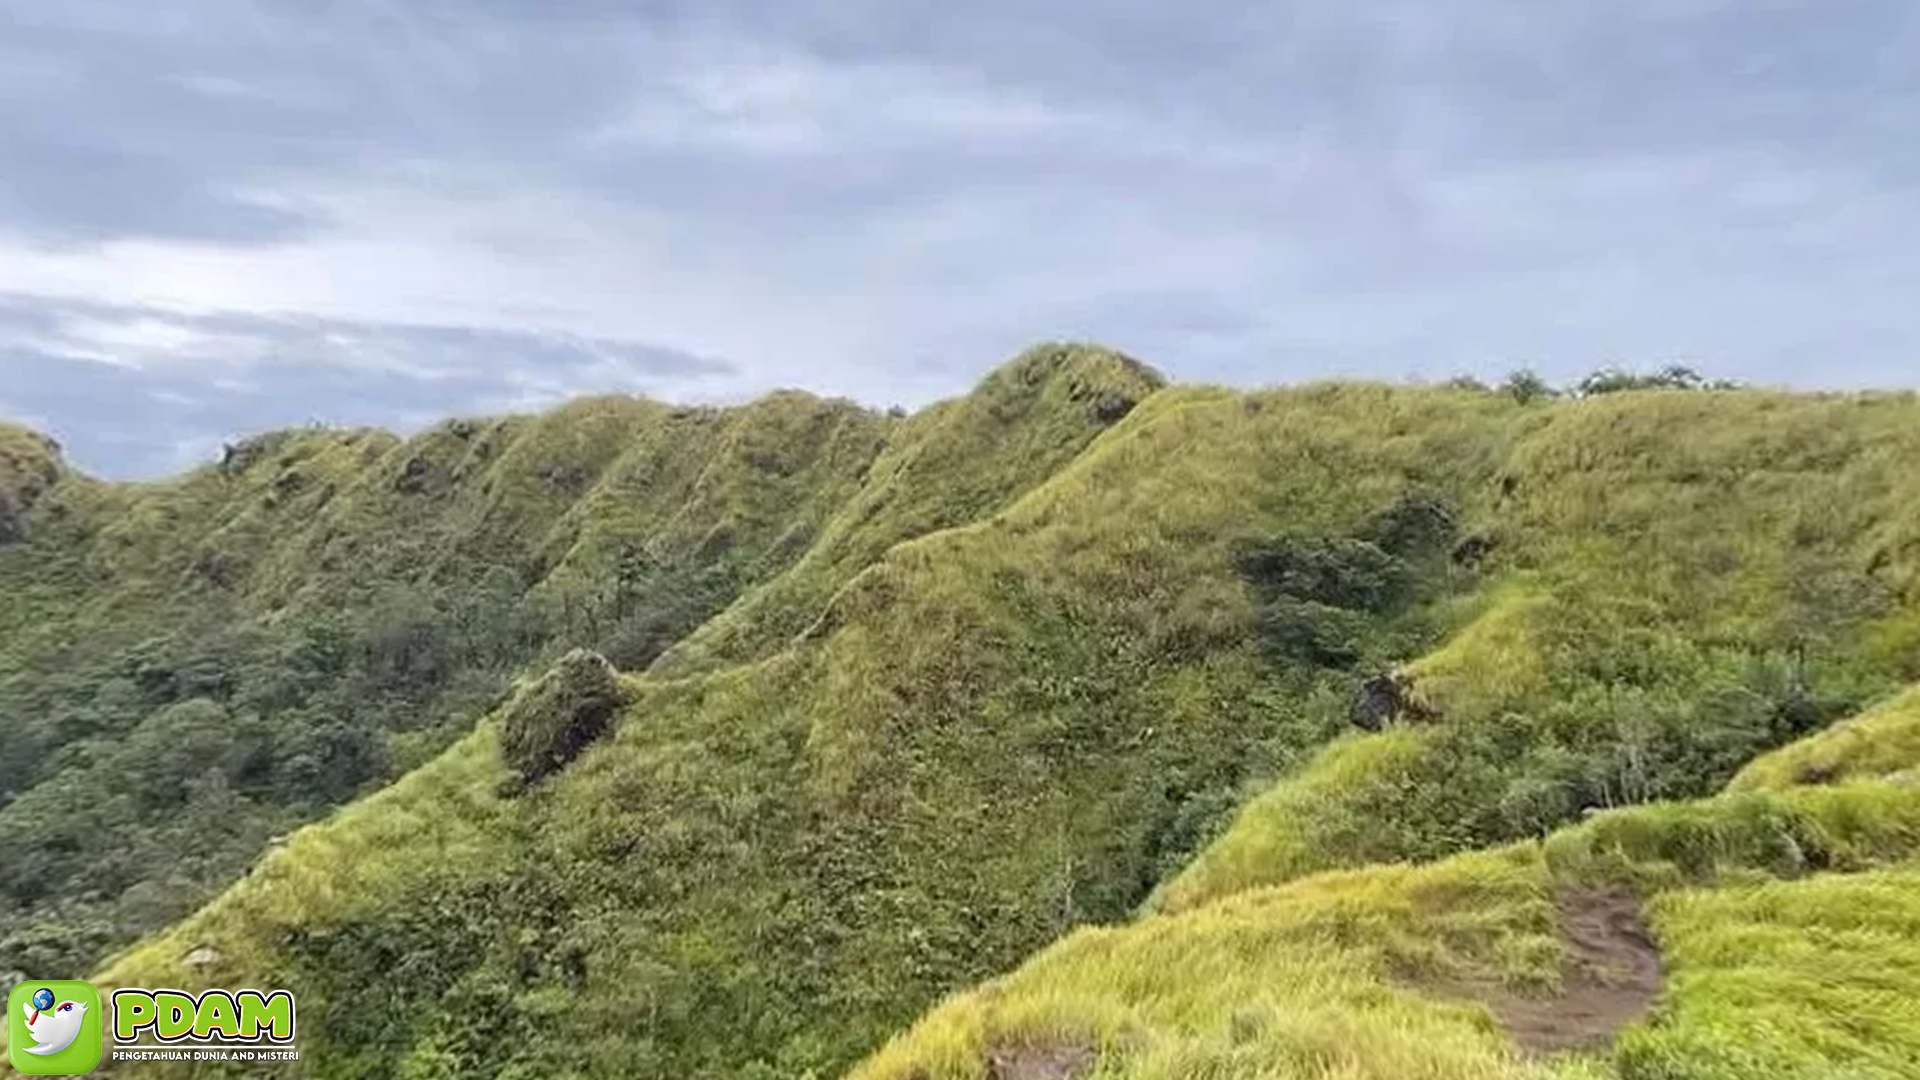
x,y
30,463
1305,695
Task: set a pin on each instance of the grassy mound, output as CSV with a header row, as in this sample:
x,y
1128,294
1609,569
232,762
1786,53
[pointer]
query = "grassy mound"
x,y
549,723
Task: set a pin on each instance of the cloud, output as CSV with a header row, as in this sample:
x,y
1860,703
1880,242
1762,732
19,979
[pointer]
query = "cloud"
x,y
144,391
882,199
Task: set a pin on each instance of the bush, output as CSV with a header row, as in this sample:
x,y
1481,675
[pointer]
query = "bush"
x,y
1526,387
1331,571
550,722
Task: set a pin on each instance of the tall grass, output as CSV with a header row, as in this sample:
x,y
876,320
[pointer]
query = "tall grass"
x,y
1024,674
1773,970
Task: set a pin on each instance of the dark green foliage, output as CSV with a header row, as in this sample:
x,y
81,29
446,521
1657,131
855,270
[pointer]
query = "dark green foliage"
x,y
1418,526
29,465
1334,572
1323,598
1526,387
549,723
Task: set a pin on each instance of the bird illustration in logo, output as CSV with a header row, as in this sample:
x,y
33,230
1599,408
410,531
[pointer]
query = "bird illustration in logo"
x,y
53,1027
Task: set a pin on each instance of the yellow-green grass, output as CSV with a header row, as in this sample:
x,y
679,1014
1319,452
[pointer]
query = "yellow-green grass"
x,y
1811,978
991,739
1356,974
1295,982
954,463
1306,824
991,732
1884,741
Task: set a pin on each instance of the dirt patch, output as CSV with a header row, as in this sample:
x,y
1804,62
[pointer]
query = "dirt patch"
x,y
1611,975
1045,1062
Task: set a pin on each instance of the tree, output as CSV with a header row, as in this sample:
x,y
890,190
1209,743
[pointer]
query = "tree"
x,y
1610,380
404,642
1526,387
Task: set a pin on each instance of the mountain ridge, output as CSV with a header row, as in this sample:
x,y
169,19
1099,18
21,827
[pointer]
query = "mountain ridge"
x,y
392,577
1119,690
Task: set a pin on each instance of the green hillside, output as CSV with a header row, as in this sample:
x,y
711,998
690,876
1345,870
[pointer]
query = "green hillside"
x,y
906,703
1786,929
189,668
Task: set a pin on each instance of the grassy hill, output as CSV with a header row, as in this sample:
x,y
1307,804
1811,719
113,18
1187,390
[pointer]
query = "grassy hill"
x,y
905,701
1785,925
190,668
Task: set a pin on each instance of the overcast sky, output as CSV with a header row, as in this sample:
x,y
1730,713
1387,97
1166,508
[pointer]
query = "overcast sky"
x,y
223,215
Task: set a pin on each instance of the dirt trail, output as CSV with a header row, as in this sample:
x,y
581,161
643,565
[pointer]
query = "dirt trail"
x,y
1045,1062
1612,974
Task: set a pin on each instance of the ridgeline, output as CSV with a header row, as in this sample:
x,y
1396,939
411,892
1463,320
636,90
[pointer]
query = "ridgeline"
x,y
1135,730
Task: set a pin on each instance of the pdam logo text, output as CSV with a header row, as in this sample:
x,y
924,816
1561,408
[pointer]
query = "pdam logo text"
x,y
58,1028
217,1025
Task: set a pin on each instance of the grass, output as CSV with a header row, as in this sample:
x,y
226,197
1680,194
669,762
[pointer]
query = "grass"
x,y
953,464
1884,741
1798,978
1344,973
325,609
988,675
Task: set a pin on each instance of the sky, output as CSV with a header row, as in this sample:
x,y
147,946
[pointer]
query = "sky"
x,y
221,216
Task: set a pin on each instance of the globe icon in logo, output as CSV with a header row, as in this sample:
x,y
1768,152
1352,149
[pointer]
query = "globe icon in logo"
x,y
43,999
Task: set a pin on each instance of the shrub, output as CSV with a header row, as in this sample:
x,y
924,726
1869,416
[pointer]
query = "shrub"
x,y
550,722
1526,387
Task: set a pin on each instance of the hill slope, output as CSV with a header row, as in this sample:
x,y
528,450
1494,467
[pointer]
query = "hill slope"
x,y
189,668
1779,940
1016,673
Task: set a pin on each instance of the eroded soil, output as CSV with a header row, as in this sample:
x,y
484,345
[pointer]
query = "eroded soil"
x,y
1044,1062
1613,973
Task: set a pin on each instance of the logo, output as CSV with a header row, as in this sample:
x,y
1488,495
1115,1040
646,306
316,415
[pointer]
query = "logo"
x,y
57,1028
216,1025
53,1028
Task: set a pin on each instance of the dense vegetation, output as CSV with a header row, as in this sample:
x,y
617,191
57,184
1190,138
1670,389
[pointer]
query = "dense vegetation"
x,y
904,700
189,669
1774,970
